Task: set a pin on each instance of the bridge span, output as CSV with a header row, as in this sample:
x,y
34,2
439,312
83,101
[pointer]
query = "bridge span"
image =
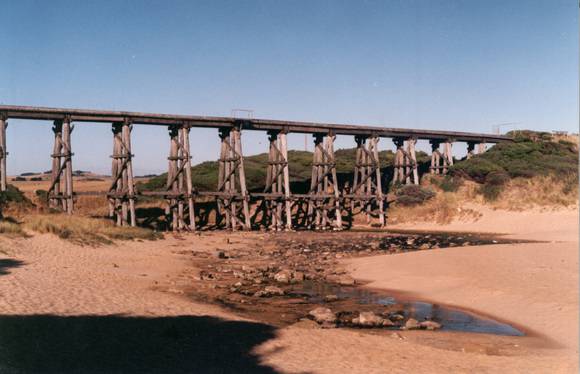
x,y
323,206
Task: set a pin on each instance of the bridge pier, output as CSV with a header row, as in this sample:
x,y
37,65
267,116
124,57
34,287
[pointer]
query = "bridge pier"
x,y
324,195
3,152
447,155
231,174
122,189
435,157
60,191
481,148
276,197
470,150
179,185
366,189
405,163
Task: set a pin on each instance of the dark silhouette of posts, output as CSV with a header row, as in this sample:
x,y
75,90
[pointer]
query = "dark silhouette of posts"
x,y
122,189
60,191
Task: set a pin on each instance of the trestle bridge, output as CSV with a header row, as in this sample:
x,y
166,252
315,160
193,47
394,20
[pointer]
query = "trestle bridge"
x,y
321,207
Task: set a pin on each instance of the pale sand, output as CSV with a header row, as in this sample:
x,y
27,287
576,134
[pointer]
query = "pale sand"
x,y
532,285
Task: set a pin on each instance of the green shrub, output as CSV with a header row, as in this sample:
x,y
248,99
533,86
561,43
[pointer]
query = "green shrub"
x,y
413,194
448,183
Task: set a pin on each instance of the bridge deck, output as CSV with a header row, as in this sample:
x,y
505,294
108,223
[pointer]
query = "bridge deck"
x,y
107,116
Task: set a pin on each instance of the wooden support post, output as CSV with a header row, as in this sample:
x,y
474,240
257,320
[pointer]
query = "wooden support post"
x,y
399,162
470,150
60,191
447,155
286,177
188,182
323,185
379,198
331,170
3,152
480,148
122,189
173,177
223,175
412,161
68,172
435,157
367,185
232,174
126,133
237,137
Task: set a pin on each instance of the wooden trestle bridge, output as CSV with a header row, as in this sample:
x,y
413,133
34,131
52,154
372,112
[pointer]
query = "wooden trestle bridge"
x,y
322,207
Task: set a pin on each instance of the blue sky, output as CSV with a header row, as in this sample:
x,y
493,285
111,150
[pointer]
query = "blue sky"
x,y
449,65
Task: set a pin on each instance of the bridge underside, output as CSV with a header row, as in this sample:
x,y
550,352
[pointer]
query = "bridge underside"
x,y
324,206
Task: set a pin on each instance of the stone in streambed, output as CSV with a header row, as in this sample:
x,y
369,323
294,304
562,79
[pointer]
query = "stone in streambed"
x,y
430,325
323,316
412,324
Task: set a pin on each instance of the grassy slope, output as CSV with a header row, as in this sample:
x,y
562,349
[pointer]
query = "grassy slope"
x,y
204,175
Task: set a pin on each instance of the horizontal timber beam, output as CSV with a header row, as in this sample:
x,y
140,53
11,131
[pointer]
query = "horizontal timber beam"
x,y
137,118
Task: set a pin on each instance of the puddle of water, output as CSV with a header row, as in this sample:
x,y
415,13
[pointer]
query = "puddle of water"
x,y
450,318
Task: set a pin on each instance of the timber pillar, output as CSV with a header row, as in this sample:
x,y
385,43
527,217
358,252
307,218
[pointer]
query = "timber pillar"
x,y
179,187
122,189
436,167
324,200
405,163
3,152
447,155
480,148
232,204
60,191
470,150
366,190
276,205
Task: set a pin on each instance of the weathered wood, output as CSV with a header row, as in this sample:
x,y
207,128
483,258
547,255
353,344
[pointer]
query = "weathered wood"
x,y
107,116
480,148
435,157
286,177
470,150
447,156
3,151
242,177
66,135
130,187
413,159
188,181
367,186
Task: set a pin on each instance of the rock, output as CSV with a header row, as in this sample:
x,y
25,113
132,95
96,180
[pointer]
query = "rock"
x,y
396,317
368,319
270,291
412,324
424,246
430,325
330,298
323,316
221,255
346,281
298,276
283,276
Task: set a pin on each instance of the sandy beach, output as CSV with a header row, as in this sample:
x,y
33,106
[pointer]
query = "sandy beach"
x,y
131,291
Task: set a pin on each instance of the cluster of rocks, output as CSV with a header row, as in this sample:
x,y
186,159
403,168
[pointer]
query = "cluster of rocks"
x,y
327,318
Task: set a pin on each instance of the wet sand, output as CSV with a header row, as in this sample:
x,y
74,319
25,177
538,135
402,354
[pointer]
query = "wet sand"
x,y
129,300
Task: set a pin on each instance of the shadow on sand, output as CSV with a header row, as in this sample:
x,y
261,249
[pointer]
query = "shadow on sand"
x,y
119,344
8,263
